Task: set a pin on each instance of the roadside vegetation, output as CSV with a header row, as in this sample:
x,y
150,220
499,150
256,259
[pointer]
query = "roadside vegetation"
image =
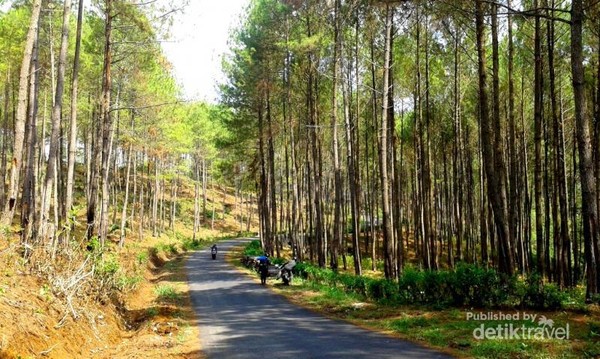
x,y
107,177
106,301
431,308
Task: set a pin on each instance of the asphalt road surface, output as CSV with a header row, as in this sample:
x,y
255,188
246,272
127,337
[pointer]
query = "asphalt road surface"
x,y
239,318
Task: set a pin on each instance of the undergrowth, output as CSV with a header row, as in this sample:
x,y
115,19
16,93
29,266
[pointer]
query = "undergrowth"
x,y
465,285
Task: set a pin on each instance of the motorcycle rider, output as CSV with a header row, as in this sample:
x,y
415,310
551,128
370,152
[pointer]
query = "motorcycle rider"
x,y
263,268
213,251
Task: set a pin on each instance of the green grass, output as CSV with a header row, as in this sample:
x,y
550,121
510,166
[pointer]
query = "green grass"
x,y
167,248
129,282
502,349
183,334
142,258
439,327
167,292
152,312
253,249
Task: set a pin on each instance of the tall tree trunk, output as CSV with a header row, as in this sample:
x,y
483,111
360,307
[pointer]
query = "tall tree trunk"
x,y
586,164
126,199
155,199
53,150
73,122
28,205
354,169
337,220
457,155
513,196
538,104
106,123
316,157
428,188
5,138
383,151
265,222
492,154
96,149
597,147
21,116
271,176
562,269
196,199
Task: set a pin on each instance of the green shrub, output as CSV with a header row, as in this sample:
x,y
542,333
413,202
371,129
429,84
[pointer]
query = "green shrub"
x,y
354,284
167,248
142,258
533,293
300,270
473,285
434,286
375,290
465,285
166,292
553,296
253,248
190,244
128,282
208,214
107,266
538,295
409,285
382,290
278,260
94,245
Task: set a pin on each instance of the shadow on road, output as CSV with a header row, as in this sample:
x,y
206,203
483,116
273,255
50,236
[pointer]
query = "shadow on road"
x,y
238,318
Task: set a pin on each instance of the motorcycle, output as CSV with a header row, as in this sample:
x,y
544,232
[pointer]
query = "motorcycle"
x,y
286,272
213,251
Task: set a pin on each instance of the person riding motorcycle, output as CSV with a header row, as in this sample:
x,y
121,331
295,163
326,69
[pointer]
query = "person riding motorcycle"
x,y
263,268
213,251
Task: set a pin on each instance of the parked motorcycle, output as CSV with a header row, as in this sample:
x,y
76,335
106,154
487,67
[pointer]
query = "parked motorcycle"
x,y
213,251
286,272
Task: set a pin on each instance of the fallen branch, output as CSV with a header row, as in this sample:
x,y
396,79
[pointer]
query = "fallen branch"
x,y
14,303
46,352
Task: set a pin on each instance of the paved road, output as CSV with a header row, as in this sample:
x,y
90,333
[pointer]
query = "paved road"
x,y
241,319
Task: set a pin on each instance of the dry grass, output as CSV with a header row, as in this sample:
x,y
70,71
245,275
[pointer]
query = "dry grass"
x,y
138,321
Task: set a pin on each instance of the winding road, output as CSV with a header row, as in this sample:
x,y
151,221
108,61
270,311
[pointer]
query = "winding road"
x,y
239,318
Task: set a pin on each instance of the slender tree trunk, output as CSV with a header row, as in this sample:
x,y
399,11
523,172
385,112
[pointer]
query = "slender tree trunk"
x,y
53,150
458,158
355,226
492,155
272,199
107,123
196,199
126,199
142,210
155,199
96,146
538,104
337,220
5,138
28,205
513,196
73,124
586,164
597,147
21,116
383,152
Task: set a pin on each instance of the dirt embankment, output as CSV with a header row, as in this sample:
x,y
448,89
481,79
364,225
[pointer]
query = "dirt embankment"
x,y
73,314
